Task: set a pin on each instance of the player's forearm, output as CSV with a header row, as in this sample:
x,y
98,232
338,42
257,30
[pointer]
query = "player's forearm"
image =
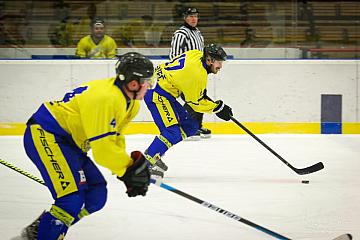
x,y
111,156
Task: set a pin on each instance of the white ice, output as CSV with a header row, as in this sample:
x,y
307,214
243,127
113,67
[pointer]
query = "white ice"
x,y
233,172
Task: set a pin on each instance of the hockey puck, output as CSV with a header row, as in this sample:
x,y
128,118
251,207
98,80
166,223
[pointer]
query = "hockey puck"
x,y
305,181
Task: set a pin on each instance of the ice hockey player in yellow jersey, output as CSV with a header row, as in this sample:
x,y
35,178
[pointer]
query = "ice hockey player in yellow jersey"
x,y
183,76
60,133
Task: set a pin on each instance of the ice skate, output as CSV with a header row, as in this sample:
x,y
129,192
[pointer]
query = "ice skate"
x,y
205,133
158,168
31,231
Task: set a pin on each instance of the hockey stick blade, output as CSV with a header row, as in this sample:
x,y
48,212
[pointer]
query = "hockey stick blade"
x,y
301,171
314,168
346,236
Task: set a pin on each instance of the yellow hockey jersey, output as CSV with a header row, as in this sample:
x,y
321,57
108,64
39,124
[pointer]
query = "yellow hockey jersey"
x,y
95,115
106,48
186,75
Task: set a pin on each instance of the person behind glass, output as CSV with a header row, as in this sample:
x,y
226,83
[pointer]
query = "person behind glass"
x,y
184,76
188,37
97,44
60,133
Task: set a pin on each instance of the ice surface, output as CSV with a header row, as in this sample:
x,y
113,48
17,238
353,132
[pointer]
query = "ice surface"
x,y
233,172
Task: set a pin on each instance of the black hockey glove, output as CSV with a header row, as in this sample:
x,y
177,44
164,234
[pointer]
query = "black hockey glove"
x,y
223,111
137,176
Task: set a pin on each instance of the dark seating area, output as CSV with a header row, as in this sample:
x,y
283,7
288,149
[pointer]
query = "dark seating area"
x,y
312,24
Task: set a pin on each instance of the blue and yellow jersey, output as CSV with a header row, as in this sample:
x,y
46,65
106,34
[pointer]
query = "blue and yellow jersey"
x,y
94,114
186,74
106,48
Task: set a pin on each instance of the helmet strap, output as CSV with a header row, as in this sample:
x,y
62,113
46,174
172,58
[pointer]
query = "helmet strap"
x,y
207,67
134,92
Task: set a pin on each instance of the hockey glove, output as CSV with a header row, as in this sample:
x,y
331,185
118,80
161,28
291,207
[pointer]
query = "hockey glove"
x,y
223,111
137,176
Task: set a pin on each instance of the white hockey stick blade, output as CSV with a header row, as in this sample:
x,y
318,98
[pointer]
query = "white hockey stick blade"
x,y
346,236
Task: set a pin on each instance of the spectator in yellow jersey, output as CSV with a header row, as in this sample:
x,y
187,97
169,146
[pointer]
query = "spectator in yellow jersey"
x,y
60,133
98,44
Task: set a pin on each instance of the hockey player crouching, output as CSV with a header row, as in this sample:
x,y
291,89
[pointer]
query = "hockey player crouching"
x,y
60,133
183,76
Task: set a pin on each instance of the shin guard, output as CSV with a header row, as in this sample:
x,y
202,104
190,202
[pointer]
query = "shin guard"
x,y
54,224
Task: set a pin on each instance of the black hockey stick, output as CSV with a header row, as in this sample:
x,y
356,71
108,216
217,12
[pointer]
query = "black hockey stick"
x,y
231,215
301,171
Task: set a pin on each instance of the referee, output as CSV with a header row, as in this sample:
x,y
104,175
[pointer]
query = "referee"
x,y
188,37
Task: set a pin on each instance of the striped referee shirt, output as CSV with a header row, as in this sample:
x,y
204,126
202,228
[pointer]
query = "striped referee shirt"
x,y
184,39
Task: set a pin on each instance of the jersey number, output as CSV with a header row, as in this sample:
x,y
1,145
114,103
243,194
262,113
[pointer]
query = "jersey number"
x,y
72,94
176,64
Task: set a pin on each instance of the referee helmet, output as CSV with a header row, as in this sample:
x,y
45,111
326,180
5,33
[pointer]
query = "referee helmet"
x,y
190,11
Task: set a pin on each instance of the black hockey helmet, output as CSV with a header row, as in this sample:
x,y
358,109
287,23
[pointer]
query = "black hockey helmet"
x,y
134,66
215,51
189,11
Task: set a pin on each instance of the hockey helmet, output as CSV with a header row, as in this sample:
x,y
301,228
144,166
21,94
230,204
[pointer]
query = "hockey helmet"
x,y
134,66
215,51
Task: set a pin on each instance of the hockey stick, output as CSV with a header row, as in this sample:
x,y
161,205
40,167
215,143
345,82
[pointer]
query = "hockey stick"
x,y
301,171
226,213
346,236
36,179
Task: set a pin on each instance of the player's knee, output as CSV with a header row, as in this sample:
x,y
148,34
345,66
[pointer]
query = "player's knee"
x,y
172,134
71,203
174,139
96,197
